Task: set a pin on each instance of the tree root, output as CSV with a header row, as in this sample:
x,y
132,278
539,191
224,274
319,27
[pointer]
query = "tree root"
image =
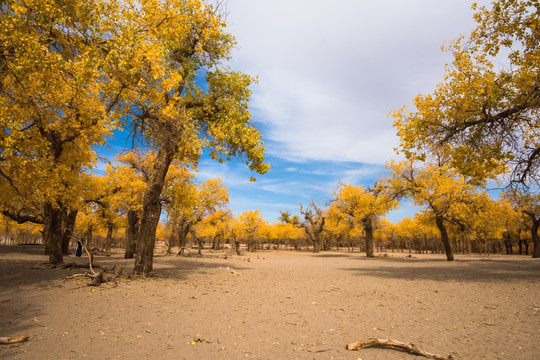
x,y
7,340
396,345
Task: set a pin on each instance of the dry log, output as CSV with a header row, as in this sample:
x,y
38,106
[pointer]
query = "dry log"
x,y
7,340
395,345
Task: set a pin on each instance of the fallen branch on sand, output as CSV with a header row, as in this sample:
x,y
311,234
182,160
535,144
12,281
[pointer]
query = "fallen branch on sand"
x,y
97,278
7,340
395,345
100,276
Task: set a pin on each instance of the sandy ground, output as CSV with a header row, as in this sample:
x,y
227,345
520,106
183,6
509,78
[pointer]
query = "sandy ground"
x,y
273,305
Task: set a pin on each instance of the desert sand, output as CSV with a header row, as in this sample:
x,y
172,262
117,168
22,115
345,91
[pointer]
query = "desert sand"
x,y
272,305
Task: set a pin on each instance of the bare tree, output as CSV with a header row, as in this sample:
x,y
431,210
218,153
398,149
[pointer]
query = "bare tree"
x,y
313,224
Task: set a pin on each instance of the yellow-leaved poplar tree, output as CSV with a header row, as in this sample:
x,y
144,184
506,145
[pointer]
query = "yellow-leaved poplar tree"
x,y
172,47
252,225
447,197
363,207
56,104
483,116
528,204
189,204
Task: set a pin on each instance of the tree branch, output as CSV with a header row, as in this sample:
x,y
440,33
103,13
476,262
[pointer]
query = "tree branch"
x,y
395,345
21,219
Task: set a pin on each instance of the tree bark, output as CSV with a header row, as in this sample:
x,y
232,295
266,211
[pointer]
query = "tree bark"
x,y
89,237
108,240
70,219
200,245
535,238
368,227
183,229
439,220
171,240
146,238
215,243
53,233
132,230
250,244
237,247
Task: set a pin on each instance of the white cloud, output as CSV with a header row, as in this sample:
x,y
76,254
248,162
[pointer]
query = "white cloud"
x,y
329,72
363,173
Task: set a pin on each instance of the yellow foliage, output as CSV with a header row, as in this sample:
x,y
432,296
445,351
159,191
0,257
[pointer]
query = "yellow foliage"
x,y
355,206
55,107
483,117
440,190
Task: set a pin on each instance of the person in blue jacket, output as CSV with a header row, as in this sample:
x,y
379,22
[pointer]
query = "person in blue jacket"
x,y
78,250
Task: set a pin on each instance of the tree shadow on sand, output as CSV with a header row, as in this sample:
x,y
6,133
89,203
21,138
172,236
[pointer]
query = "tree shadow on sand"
x,y
22,266
24,279
178,268
469,270
319,255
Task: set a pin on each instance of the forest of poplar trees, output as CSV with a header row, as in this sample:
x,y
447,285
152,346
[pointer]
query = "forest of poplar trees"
x,y
73,73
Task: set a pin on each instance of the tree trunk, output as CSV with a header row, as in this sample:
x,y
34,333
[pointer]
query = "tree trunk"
x,y
508,243
132,230
368,227
171,240
53,233
200,245
535,238
316,245
108,241
45,233
146,239
70,219
444,237
184,227
215,243
89,236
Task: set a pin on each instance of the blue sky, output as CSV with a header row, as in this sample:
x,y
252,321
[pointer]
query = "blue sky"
x,y
329,73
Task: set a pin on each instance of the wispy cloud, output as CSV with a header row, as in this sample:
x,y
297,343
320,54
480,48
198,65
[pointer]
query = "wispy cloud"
x,y
329,72
363,173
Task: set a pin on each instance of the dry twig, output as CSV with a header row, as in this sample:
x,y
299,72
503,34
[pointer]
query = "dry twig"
x,y
396,345
8,340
